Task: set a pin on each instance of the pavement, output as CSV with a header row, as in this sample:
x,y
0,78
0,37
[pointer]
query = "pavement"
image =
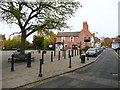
x,y
22,75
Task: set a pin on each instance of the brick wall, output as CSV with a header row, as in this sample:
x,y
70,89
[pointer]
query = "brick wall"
x,y
84,33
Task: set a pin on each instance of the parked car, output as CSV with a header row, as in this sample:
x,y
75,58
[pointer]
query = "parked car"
x,y
99,50
103,47
91,52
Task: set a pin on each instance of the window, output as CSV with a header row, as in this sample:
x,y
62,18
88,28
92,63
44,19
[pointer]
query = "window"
x,y
86,39
65,45
72,39
63,39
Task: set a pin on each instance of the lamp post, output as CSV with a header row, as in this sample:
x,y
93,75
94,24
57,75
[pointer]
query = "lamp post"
x,y
94,38
54,49
63,43
63,53
80,48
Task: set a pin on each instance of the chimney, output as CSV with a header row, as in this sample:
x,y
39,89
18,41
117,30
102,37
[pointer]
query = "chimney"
x,y
85,26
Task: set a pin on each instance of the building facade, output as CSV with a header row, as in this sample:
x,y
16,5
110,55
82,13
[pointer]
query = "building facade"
x,y
74,40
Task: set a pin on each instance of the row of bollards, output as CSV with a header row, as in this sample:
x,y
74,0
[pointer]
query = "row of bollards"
x,y
42,60
70,55
82,57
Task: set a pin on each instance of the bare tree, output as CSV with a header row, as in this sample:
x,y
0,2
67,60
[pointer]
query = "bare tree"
x,y
39,15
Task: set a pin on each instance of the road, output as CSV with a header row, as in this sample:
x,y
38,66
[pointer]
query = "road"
x,y
101,74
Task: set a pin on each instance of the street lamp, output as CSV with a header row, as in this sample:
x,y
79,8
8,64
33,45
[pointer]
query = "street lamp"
x,y
63,47
54,49
94,38
80,49
63,43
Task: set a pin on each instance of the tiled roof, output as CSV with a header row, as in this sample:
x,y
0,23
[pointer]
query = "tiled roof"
x,y
65,34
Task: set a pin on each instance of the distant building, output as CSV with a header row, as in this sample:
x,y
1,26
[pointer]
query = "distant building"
x,y
97,42
115,39
73,40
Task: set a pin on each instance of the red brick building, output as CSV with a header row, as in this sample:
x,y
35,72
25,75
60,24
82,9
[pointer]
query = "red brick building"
x,y
69,40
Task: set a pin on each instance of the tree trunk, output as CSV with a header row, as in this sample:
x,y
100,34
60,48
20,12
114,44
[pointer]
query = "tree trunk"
x,y
23,38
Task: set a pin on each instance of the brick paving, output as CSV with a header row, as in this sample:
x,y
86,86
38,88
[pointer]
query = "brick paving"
x,y
23,75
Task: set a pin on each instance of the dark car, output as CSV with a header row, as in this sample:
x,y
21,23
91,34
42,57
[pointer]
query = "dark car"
x,y
91,52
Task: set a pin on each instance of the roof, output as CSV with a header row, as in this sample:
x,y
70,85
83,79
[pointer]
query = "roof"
x,y
65,34
97,39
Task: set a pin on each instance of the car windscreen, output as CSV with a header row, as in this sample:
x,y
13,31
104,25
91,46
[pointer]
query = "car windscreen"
x,y
91,49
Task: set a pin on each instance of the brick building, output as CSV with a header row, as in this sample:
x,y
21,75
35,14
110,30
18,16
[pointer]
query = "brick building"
x,y
72,40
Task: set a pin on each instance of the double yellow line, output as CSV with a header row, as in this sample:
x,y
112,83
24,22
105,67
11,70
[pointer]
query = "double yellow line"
x,y
40,82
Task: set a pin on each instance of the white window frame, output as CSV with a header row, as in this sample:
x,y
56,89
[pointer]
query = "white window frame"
x,y
62,38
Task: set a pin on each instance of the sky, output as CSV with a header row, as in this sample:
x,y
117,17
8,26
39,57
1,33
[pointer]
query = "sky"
x,y
101,16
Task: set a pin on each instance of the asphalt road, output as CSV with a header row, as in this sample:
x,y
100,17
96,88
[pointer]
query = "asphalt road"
x,y
101,74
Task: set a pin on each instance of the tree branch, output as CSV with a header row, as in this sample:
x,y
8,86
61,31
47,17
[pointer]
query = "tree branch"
x,y
35,29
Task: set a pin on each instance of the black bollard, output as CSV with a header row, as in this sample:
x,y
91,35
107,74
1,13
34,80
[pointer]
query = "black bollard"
x,y
70,62
40,71
68,53
38,51
12,63
82,58
54,52
51,56
64,54
75,52
29,60
80,53
87,57
42,57
118,52
59,55
72,52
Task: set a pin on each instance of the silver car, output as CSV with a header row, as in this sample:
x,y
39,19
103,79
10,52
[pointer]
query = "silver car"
x,y
91,52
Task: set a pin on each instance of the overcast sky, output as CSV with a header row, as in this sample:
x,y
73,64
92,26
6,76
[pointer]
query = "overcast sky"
x,y
101,15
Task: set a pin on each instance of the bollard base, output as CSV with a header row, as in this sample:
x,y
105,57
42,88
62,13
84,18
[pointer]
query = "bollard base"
x,y
29,66
42,62
40,75
70,66
82,61
12,70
